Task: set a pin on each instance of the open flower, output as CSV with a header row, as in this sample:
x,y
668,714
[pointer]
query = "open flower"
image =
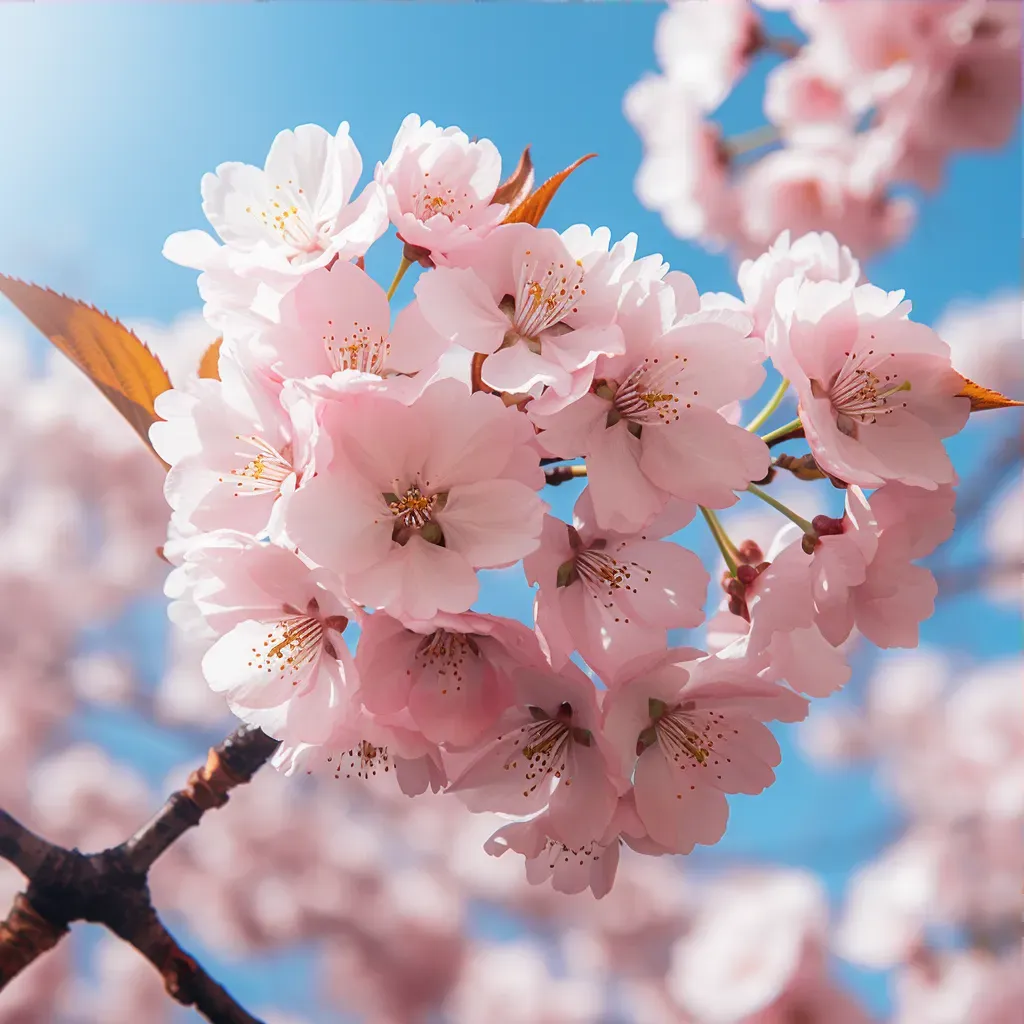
x,y
452,672
280,658
876,391
295,213
650,426
613,596
526,302
410,499
548,752
691,731
439,187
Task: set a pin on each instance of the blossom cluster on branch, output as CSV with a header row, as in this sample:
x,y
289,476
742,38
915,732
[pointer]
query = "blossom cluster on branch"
x,y
875,97
348,471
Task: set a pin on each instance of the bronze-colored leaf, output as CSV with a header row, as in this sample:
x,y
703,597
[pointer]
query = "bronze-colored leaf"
x,y
531,209
985,398
117,362
516,187
209,365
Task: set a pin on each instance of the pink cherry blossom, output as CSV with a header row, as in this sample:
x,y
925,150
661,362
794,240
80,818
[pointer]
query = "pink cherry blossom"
x,y
690,731
295,213
452,672
613,596
685,174
439,187
395,480
235,452
548,752
638,425
280,659
876,391
366,750
839,189
339,319
812,257
570,870
527,302
707,47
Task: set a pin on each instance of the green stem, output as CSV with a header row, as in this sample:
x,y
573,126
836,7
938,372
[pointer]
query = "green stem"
x,y
725,545
738,145
399,274
773,403
784,509
774,435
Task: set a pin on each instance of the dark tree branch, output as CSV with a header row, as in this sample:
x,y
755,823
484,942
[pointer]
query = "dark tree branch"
x,y
111,888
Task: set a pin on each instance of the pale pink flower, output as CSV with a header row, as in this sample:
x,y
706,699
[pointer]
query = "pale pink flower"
x,y
339,319
613,596
707,47
451,672
1004,540
650,426
690,731
890,531
280,659
803,99
372,753
527,302
234,451
549,752
569,869
812,257
835,189
876,391
685,173
973,986
296,212
439,187
396,480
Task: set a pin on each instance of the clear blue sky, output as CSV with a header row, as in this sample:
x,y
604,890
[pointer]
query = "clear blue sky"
x,y
109,116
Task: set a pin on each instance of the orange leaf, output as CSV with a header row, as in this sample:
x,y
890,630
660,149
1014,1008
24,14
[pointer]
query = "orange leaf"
x,y
209,365
985,398
531,209
516,187
116,361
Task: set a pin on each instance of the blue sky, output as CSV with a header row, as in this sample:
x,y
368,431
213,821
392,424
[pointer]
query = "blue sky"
x,y
110,115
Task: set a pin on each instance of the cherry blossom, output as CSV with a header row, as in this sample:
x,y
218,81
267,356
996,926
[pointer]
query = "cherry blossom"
x,y
439,187
637,423
690,731
548,752
280,659
876,391
613,596
451,672
400,479
296,212
526,301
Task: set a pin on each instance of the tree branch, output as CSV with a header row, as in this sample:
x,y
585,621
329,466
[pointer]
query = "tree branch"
x,y
110,888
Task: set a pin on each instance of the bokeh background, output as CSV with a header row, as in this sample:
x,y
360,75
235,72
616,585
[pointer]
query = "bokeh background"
x,y
308,904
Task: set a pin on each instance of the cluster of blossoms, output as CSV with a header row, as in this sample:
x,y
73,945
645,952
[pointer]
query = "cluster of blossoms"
x,y
350,472
877,94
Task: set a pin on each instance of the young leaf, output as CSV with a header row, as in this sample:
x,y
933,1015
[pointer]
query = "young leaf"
x,y
118,363
209,365
531,209
985,398
516,187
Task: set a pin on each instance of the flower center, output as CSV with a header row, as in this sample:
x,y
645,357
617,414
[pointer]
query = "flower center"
x,y
359,349
364,760
545,295
557,851
413,513
546,742
651,394
433,198
860,392
603,576
266,471
290,220
446,654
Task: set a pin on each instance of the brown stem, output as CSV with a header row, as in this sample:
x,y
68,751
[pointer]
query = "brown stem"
x,y
110,888
563,474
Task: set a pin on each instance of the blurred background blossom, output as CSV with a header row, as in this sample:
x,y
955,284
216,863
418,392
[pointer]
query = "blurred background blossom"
x,y
879,879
